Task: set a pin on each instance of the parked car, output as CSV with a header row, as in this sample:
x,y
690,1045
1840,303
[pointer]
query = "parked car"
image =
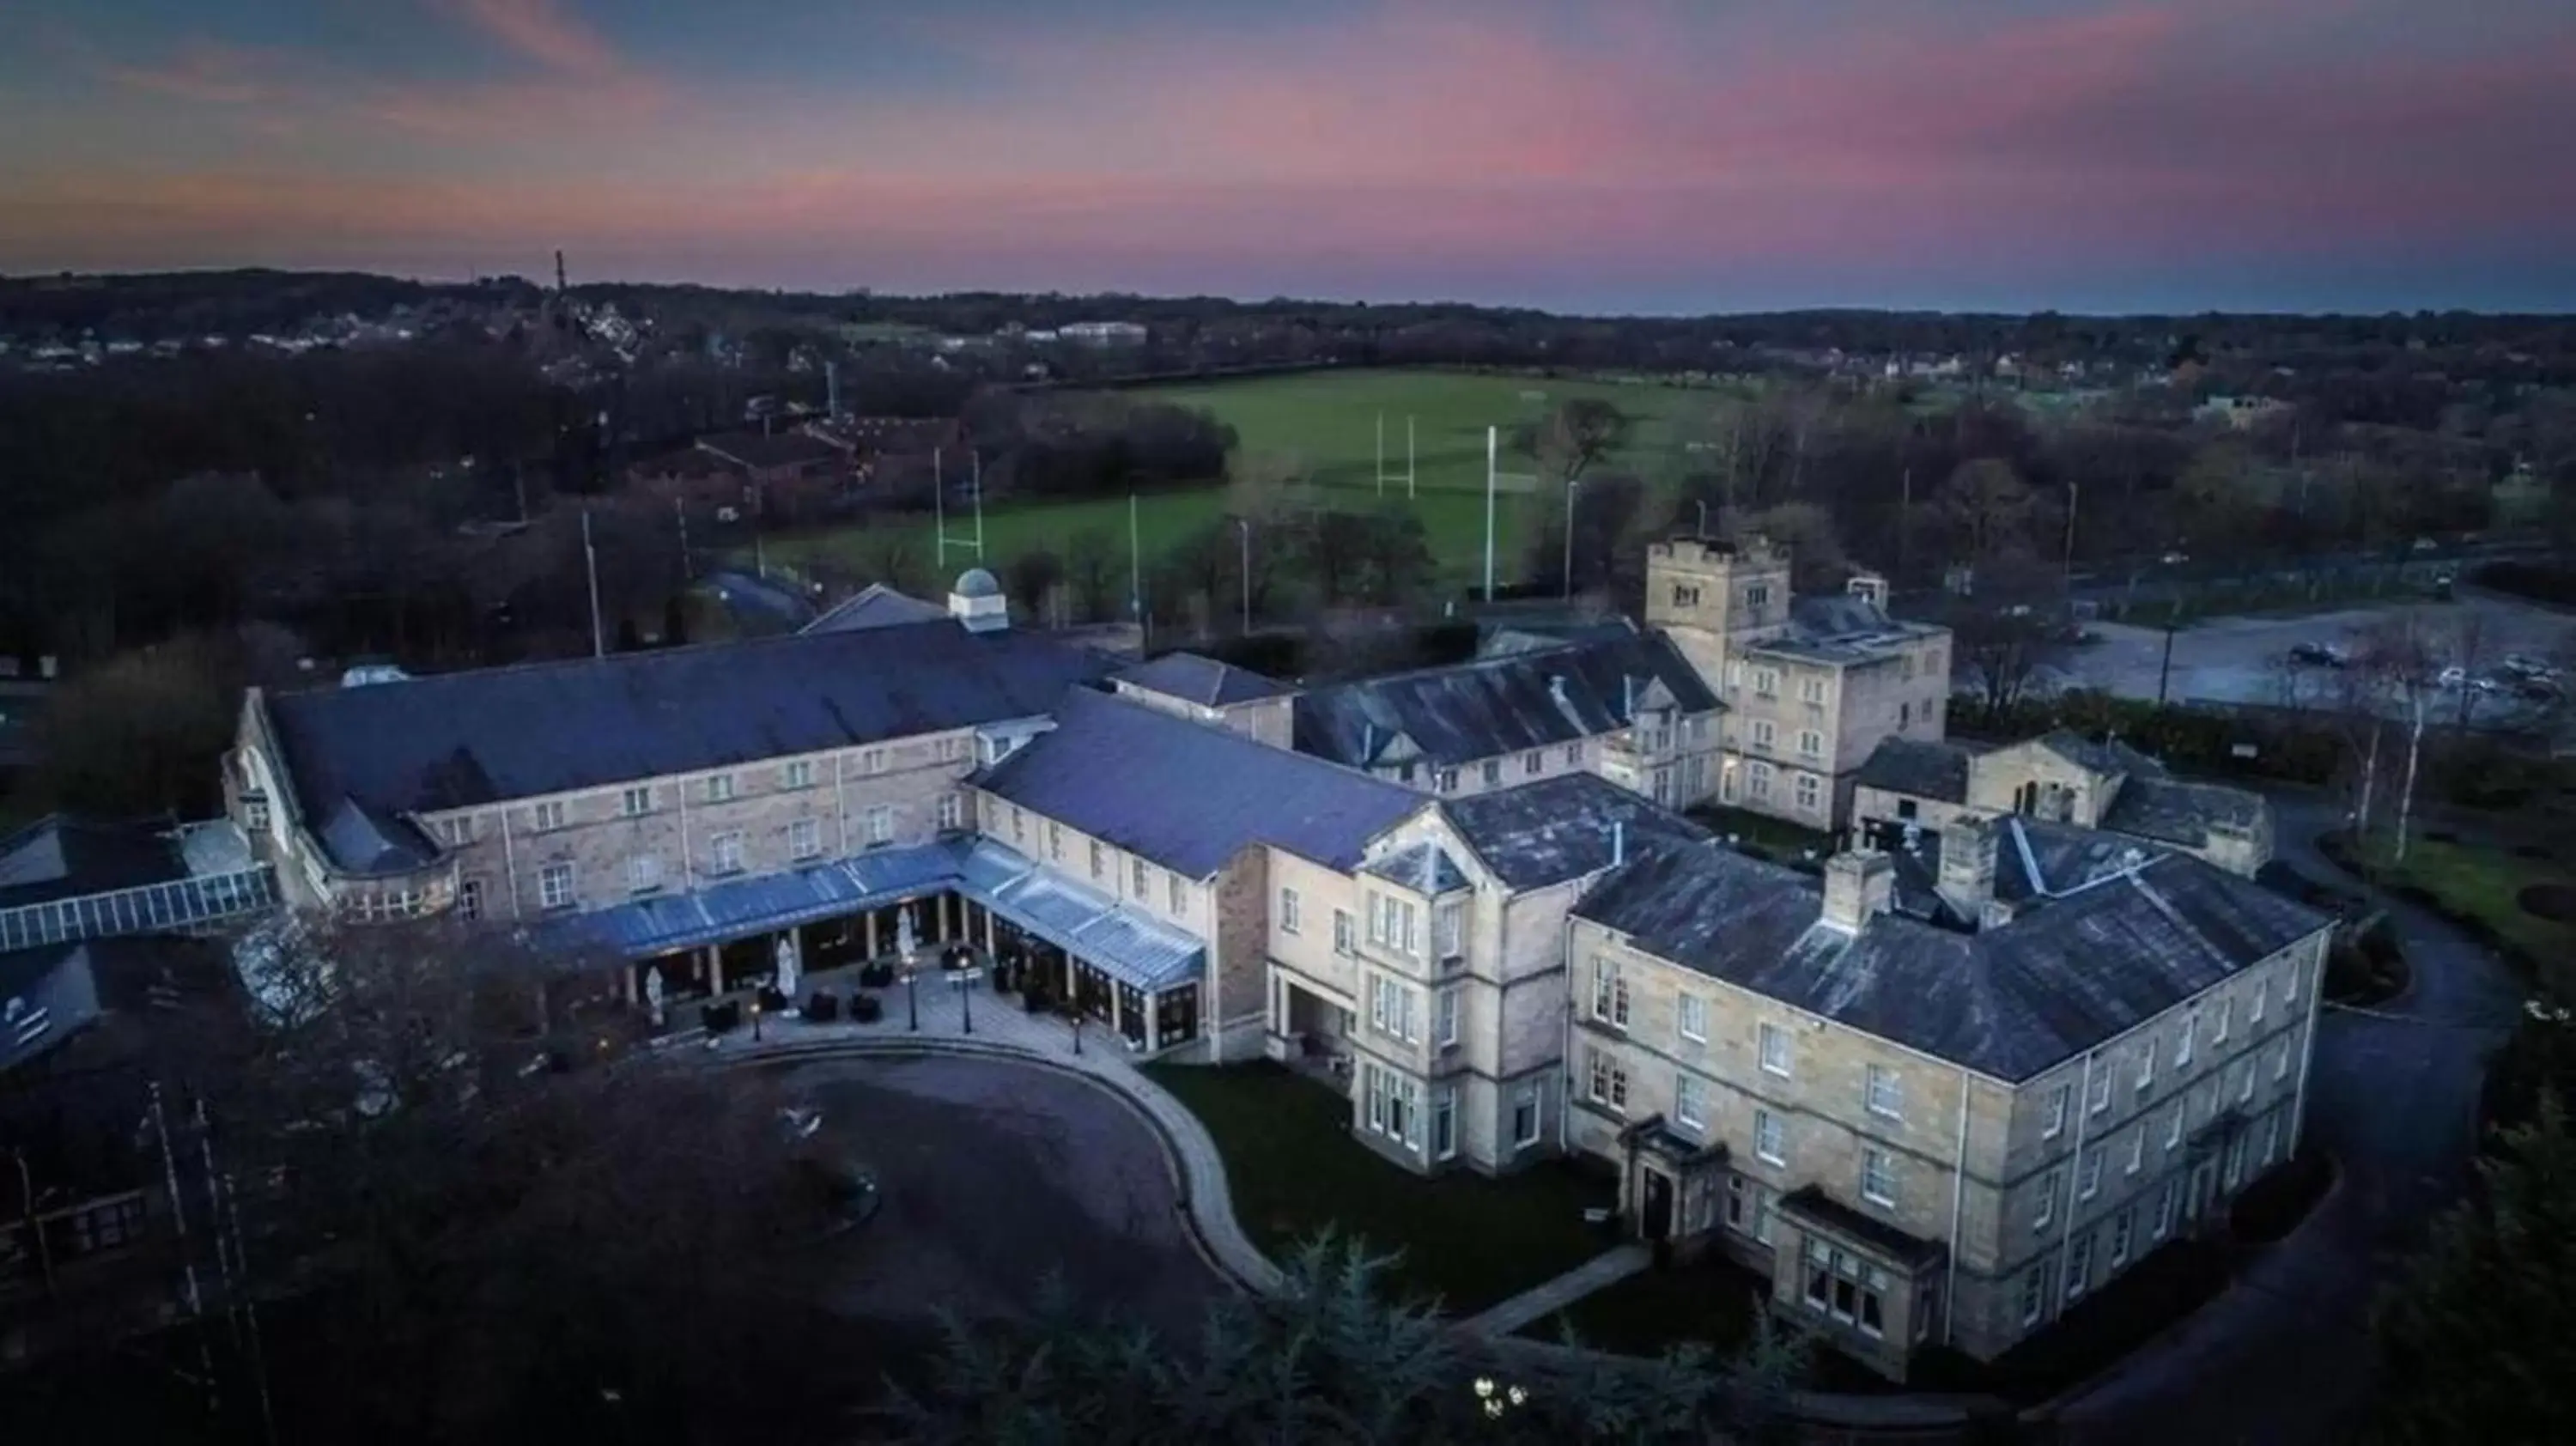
x,y
2452,676
2522,665
2323,655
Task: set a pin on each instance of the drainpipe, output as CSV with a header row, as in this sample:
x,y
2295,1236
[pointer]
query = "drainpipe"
x,y
2082,1106
1958,1211
510,863
1565,1052
2307,1050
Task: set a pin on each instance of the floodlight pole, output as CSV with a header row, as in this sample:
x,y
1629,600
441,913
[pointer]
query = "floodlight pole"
x,y
1408,457
1246,524
1492,437
939,506
978,455
1381,454
1571,484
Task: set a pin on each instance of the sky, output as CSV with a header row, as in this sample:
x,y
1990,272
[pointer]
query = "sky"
x,y
1651,156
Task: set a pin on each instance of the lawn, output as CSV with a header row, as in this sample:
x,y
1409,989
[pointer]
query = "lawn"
x,y
2482,883
1711,1302
1294,1172
1328,420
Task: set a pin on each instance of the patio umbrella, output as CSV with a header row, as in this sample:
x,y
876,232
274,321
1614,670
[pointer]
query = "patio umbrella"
x,y
653,992
787,966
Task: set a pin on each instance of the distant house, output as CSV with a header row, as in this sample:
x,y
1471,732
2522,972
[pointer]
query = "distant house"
x,y
1104,333
770,460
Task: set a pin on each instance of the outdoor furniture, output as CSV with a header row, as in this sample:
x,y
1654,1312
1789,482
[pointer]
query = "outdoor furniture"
x,y
771,1001
720,1018
823,1007
865,1009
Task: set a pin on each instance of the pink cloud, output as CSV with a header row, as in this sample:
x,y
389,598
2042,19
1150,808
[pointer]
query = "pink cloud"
x,y
542,31
205,71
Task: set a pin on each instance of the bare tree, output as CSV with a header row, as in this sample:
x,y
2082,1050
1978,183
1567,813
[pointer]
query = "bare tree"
x,y
1578,434
1090,570
2403,657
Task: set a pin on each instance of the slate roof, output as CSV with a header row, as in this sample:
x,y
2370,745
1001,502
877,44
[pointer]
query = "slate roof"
x,y
1810,1203
1917,767
46,996
457,740
875,606
1425,867
1201,680
1839,628
1529,637
1489,706
2110,757
59,857
2172,811
688,464
1189,796
369,840
2009,1002
1563,827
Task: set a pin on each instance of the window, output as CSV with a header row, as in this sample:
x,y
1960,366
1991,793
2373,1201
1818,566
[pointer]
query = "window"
x,y
1763,732
2099,1099
2245,1082
1390,1008
952,811
1844,1286
1770,1138
1345,931
804,838
2123,1226
2164,1212
550,814
255,812
2290,984
2089,1174
1019,825
2079,1265
2046,1210
799,773
1448,780
2226,1013
1136,877
635,802
2182,1044
720,788
1904,714
2146,1067
1757,781
1493,772
2034,1293
953,748
2057,1102
1609,1081
1393,1105
2281,1061
1525,1116
1533,763
1812,690
1773,1044
1391,924
1811,791
1685,595
1176,894
643,874
2235,1161
1878,1177
2254,1006
1883,1093
880,824
554,886
1609,991
1811,744
2173,1127
1445,1017
1289,922
1766,682
469,899
1444,1125
1448,928
1055,842
2271,1139
458,831
1574,755
1100,869
1693,1018
873,761
2138,1150
1690,1101
1734,673
724,852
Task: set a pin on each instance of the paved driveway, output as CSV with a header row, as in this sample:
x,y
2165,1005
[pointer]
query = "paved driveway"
x,y
996,1174
2282,1357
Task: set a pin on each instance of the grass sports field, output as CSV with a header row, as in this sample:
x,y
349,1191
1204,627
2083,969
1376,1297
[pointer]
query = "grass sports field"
x,y
1329,422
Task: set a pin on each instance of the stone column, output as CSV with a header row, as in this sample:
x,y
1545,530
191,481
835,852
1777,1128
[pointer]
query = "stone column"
x,y
871,936
988,931
715,970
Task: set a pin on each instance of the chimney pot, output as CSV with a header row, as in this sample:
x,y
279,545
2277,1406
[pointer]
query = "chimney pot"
x,y
1967,875
1858,883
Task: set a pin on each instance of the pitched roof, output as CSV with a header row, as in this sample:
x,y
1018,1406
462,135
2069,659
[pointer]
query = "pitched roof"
x,y
1426,867
1918,767
1189,796
875,606
60,857
2110,757
2010,1001
1201,680
778,449
46,996
2172,811
1564,827
1506,704
1840,628
458,740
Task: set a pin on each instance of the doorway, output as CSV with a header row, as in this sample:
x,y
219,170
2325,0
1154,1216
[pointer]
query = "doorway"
x,y
1655,1218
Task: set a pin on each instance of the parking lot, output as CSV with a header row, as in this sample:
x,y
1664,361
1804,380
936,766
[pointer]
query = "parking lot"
x,y
2245,659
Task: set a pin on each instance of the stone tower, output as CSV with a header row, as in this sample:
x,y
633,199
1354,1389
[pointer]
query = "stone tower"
x,y
1713,596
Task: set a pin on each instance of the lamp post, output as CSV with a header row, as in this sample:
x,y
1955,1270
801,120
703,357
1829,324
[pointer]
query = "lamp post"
x,y
966,998
912,993
755,1018
1571,485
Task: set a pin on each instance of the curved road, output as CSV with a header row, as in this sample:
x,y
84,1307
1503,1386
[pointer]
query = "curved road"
x,y
995,1176
2281,1357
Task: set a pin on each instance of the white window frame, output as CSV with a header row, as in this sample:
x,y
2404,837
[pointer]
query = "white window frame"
x,y
797,773
1289,920
1809,791
1878,1177
1176,895
2138,1149
725,852
2226,1016
1770,1138
1531,1096
872,760
1763,732
2124,1227
1690,1018
1346,931
2061,1098
1883,1092
1444,1015
2100,1100
2051,1181
2183,1043
2281,1062
1811,744
804,838
952,811
1606,1079
1771,1044
2088,1174
719,788
555,886
549,814
2147,1067
880,824
643,873
1690,1100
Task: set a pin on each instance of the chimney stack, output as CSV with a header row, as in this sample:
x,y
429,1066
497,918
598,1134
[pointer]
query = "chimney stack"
x,y
1858,884
1618,842
1967,877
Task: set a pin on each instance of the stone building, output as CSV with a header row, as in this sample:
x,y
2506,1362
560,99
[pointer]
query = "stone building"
x,y
1938,1099
2062,777
1629,707
1209,691
1810,685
